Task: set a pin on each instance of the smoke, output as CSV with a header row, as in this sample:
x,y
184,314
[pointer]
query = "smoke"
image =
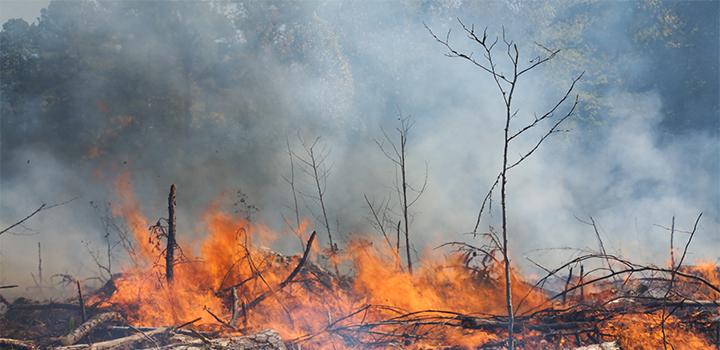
x,y
205,95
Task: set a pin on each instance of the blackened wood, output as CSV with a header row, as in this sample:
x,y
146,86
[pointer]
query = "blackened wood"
x,y
170,249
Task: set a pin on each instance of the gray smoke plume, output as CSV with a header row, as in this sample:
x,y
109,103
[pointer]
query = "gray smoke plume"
x,y
206,94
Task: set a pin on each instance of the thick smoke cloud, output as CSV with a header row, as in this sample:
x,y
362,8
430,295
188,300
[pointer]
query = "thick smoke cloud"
x,y
213,114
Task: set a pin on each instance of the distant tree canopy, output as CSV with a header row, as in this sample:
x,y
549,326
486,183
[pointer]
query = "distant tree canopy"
x,y
89,72
86,61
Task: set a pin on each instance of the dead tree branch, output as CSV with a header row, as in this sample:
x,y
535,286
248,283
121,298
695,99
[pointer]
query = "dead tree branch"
x,y
289,278
42,207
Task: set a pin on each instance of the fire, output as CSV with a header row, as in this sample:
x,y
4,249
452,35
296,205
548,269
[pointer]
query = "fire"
x,y
637,332
318,309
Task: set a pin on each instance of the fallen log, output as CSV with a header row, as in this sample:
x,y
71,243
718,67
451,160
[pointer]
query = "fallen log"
x,y
265,340
87,327
14,343
177,331
603,346
621,303
120,343
128,342
684,303
469,322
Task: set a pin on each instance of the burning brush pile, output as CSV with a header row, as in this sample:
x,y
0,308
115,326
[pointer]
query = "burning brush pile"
x,y
230,293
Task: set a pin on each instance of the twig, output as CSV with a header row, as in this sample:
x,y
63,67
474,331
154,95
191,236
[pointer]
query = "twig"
x,y
220,320
185,324
567,283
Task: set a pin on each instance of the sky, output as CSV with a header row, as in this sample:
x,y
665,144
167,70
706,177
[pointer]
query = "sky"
x,y
642,147
29,10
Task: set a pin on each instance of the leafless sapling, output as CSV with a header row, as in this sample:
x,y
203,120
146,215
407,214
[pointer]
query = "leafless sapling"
x,y
506,84
674,271
115,234
397,153
315,165
291,182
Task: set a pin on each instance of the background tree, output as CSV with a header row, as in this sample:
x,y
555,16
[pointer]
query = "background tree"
x,y
397,153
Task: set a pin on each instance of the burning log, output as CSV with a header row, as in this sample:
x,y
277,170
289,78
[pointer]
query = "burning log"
x,y
85,328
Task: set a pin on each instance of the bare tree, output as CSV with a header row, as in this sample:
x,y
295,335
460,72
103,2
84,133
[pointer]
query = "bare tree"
x,y
115,234
291,182
397,153
506,84
316,167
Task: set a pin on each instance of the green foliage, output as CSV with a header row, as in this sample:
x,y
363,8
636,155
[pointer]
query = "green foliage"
x,y
91,70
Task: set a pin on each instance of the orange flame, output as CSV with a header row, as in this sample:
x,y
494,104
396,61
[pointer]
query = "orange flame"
x,y
315,308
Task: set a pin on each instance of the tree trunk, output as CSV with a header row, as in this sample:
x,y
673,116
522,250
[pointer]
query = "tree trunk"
x,y
170,249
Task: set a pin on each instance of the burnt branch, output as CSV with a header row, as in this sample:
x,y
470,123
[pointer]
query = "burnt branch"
x,y
289,278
